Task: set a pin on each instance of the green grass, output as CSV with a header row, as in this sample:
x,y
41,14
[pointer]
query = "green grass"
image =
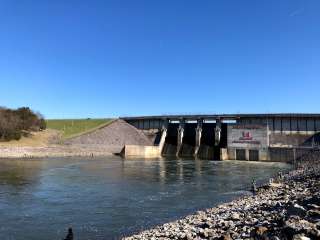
x,y
74,127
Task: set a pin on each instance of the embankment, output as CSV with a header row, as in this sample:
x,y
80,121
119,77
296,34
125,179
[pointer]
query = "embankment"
x,y
106,140
113,137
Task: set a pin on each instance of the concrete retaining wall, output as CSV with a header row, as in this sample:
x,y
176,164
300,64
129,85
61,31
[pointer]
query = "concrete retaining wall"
x,y
224,154
141,151
263,154
290,139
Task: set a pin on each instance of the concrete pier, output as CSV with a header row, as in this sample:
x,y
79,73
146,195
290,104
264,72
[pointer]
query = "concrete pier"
x,y
217,133
163,139
164,133
180,137
198,137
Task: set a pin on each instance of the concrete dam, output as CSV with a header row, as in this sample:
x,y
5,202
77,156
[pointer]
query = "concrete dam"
x,y
253,137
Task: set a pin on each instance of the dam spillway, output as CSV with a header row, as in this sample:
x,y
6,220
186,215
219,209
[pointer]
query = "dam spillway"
x,y
171,144
254,137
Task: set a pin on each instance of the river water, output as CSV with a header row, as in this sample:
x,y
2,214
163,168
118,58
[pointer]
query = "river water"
x,y
106,198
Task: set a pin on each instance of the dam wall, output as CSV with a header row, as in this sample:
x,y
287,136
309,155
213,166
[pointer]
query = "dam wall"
x,y
251,137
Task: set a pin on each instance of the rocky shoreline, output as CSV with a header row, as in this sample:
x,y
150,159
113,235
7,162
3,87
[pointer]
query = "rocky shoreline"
x,y
52,151
287,208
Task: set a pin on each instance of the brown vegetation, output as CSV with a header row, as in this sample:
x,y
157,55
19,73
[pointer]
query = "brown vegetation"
x,y
43,138
19,122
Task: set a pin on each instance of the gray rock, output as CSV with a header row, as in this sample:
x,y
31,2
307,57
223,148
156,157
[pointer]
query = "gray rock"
x,y
296,210
235,216
314,213
300,237
297,225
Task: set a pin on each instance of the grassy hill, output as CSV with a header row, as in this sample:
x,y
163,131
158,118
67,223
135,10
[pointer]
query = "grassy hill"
x,y
74,127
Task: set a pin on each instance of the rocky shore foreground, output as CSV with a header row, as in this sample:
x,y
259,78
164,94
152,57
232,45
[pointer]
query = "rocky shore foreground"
x,y
287,208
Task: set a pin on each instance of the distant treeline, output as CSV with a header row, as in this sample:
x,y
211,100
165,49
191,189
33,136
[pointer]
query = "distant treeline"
x,y
15,123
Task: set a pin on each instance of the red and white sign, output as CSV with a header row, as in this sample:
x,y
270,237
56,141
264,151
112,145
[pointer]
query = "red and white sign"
x,y
246,136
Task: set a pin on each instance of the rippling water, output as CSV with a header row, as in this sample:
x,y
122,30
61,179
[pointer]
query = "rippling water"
x,y
107,198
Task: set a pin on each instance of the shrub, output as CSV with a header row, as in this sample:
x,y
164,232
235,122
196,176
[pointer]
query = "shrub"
x,y
14,122
42,124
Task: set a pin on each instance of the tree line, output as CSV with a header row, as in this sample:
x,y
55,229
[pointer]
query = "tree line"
x,y
15,123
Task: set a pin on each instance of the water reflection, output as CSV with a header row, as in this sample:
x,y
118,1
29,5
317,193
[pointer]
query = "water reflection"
x,y
109,197
19,173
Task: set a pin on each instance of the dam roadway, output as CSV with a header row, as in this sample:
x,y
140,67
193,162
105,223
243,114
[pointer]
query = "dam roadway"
x,y
282,137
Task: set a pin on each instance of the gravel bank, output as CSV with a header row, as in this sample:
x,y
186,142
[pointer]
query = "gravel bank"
x,y
52,151
287,209
112,137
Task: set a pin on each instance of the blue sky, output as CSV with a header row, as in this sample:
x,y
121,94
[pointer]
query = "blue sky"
x,y
76,58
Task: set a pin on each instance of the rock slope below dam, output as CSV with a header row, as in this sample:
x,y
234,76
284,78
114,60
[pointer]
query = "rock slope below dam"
x,y
112,137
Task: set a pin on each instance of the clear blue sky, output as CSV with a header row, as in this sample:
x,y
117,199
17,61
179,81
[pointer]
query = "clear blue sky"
x,y
106,58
